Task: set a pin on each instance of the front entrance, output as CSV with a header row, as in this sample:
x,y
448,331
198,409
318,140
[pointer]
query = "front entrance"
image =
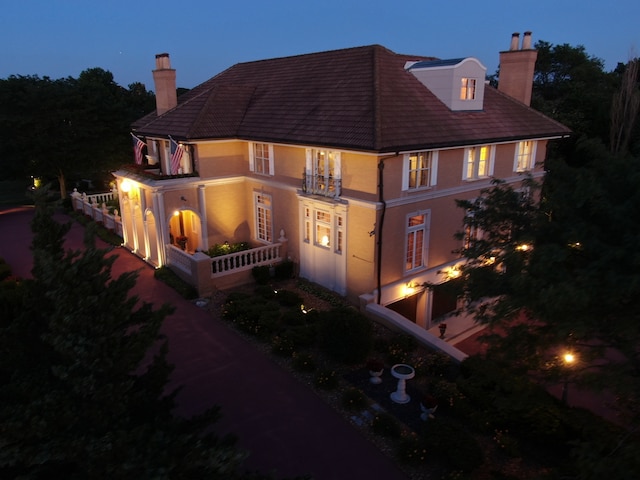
x,y
323,244
445,298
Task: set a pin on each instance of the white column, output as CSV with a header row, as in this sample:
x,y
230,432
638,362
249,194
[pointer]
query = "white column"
x,y
202,212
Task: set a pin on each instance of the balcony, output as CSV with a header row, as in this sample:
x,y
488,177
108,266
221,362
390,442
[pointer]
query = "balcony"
x,y
152,172
326,186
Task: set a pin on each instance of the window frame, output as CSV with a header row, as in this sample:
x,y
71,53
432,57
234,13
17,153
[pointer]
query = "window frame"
x,y
432,168
468,88
263,215
530,157
257,158
323,177
413,234
475,162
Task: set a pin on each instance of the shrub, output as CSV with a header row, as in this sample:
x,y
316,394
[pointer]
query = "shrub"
x,y
5,270
288,298
220,249
400,349
166,275
411,450
284,270
345,335
265,291
354,399
261,274
303,335
282,345
303,362
294,317
386,425
326,379
454,445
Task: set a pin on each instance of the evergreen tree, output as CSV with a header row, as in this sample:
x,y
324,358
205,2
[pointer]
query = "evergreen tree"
x,y
81,396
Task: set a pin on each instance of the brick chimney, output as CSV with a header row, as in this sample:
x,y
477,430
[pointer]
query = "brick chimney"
x,y
164,78
517,67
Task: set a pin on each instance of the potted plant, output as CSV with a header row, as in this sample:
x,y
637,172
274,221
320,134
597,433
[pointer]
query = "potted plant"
x,y
182,242
375,367
428,405
443,329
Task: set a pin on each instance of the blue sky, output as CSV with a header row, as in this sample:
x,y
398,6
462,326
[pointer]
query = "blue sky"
x,y
60,38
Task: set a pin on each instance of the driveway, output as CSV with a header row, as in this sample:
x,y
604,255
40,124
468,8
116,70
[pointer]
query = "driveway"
x,y
284,425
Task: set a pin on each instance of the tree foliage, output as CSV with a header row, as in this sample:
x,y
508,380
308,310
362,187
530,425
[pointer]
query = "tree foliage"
x,y
67,128
83,374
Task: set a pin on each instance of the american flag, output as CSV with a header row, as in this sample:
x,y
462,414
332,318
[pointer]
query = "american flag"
x,y
176,156
138,145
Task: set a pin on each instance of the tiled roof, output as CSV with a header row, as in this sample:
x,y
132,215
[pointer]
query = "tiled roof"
x,y
358,98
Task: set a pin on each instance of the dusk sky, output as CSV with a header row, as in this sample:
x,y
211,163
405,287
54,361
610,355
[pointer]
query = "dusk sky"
x,y
60,38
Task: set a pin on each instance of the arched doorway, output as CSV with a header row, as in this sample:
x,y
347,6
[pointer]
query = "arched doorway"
x,y
184,230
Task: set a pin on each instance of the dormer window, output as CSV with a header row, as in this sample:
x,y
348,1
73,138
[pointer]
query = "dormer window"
x,y
468,89
458,83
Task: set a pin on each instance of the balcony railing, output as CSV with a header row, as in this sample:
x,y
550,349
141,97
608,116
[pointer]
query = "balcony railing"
x,y
321,185
246,259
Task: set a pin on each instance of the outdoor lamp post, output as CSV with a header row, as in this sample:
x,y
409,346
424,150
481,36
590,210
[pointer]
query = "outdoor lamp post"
x,y
569,359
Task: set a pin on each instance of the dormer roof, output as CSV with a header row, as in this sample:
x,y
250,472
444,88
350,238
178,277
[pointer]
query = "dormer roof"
x,y
359,98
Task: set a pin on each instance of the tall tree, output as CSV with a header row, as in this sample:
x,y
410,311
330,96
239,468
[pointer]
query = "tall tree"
x,y
68,128
80,397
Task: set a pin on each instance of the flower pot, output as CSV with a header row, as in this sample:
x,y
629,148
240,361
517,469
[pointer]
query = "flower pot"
x,y
375,377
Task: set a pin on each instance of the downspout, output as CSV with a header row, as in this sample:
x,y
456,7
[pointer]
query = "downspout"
x,y
380,225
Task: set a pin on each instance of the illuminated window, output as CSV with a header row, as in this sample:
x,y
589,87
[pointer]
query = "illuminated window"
x,y
525,156
416,241
468,89
261,158
322,173
478,162
323,228
264,227
420,170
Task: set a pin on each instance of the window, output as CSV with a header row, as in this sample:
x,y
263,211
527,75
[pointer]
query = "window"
x,y
468,89
264,224
322,173
261,158
420,170
339,234
478,162
525,156
323,229
416,241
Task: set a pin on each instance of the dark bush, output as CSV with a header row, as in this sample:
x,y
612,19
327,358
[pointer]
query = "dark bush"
x,y
326,379
303,362
265,291
166,275
452,444
287,298
354,399
303,335
5,270
282,345
294,317
411,450
386,425
284,270
261,274
345,335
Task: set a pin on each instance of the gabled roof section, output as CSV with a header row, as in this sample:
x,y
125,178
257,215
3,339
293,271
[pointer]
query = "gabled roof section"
x,y
358,98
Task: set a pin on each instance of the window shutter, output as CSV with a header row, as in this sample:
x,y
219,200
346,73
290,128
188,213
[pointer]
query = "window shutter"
x,y
271,160
405,172
434,169
252,160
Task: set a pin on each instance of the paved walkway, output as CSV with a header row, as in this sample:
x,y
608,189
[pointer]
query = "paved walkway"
x,y
287,428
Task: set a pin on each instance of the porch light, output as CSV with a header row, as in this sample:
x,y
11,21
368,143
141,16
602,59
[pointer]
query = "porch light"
x,y
325,241
126,185
176,213
452,272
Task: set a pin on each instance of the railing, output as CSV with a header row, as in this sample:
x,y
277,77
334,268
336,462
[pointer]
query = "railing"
x,y
180,259
321,185
245,260
94,206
